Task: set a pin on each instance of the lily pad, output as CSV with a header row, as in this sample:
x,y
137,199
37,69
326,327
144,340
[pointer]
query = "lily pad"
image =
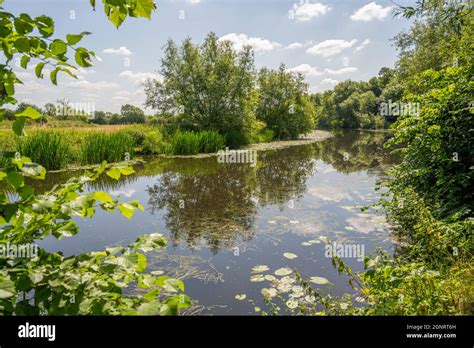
x,y
283,271
260,269
269,292
290,256
240,297
257,278
270,278
292,304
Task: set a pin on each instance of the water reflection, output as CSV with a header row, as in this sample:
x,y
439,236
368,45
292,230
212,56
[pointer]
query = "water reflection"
x,y
208,211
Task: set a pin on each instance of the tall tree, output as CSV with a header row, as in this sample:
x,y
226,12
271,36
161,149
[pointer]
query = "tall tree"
x,y
209,86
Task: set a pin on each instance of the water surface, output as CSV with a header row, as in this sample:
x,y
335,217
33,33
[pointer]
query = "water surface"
x,y
223,219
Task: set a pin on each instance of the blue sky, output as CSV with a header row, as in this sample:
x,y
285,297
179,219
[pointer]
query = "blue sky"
x,y
328,41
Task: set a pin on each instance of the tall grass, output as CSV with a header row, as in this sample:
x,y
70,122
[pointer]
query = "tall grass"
x,y
210,141
46,147
111,147
191,143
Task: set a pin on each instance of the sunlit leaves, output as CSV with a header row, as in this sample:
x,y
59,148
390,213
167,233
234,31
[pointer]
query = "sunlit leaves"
x,y
128,209
7,287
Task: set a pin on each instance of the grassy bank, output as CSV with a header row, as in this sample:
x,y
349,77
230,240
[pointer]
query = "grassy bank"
x,y
64,147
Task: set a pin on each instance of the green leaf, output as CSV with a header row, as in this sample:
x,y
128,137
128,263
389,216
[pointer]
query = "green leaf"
x,y
114,173
14,179
22,44
82,57
29,112
102,197
144,8
39,69
35,276
18,125
117,17
58,47
24,61
127,210
45,25
73,39
7,288
149,308
53,76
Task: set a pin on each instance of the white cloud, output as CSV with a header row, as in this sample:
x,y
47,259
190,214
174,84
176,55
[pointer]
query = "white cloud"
x,y
362,45
305,11
121,51
89,86
341,71
139,77
258,44
294,45
330,47
370,12
193,2
306,70
329,82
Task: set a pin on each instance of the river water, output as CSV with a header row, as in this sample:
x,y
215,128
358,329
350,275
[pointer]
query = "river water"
x,y
223,219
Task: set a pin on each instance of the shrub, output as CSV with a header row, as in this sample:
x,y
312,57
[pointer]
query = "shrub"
x,y
153,142
111,147
48,148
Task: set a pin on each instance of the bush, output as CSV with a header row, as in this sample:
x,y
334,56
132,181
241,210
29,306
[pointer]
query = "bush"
x,y
48,148
111,147
153,143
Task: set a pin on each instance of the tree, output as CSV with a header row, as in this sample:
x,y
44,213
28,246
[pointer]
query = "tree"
x,y
284,104
211,86
132,114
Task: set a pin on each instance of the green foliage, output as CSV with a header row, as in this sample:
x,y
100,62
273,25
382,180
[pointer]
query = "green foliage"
x,y
191,143
153,142
90,283
210,141
48,283
46,147
206,87
283,103
111,147
132,114
354,104
437,148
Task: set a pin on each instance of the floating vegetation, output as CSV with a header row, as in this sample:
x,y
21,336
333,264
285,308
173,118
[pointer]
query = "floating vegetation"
x,y
260,269
290,256
311,242
269,292
257,278
319,280
240,297
283,271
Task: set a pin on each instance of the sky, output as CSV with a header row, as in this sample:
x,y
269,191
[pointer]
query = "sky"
x,y
328,41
